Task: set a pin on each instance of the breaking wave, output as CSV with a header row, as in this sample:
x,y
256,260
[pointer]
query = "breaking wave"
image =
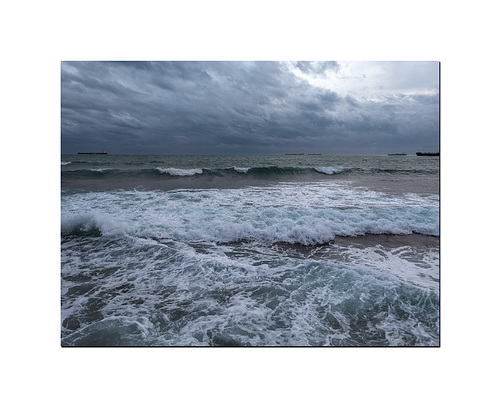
x,y
274,172
315,216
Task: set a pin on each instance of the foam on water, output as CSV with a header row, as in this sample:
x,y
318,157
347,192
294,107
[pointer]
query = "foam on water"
x,y
241,169
211,267
310,214
412,265
181,172
138,291
329,170
92,223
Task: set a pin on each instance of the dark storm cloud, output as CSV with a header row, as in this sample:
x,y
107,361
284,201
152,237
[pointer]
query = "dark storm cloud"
x,y
231,107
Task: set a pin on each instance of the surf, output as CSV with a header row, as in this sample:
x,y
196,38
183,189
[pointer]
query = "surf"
x,y
265,214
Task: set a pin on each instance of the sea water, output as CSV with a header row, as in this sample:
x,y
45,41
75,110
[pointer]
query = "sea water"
x,y
284,250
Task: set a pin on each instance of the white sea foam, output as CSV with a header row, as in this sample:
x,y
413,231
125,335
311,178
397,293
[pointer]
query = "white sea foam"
x,y
313,213
241,169
65,162
329,170
93,222
148,267
181,172
210,294
416,266
100,169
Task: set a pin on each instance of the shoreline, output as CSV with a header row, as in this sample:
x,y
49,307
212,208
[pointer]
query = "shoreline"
x,y
417,240
339,244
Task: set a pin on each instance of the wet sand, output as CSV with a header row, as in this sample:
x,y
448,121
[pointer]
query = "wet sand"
x,y
397,184
415,240
340,244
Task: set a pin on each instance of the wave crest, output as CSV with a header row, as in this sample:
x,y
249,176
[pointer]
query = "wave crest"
x,y
91,224
181,172
329,170
266,215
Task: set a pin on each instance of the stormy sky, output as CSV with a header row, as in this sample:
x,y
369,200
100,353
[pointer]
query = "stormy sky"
x,y
249,107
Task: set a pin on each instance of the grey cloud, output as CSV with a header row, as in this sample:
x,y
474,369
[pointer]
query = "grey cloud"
x,y
227,107
317,67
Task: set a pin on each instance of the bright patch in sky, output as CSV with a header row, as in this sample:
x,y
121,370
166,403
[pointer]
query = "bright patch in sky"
x,y
374,81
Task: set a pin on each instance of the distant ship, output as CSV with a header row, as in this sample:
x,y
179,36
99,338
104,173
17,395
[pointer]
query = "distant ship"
x,y
397,154
102,152
428,154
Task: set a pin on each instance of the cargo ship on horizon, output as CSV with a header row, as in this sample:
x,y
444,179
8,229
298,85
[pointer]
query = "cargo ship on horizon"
x,y
427,154
102,152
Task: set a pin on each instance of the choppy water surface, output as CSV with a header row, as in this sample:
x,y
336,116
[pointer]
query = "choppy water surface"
x,y
255,251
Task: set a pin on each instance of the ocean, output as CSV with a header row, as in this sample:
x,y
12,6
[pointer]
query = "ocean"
x,y
237,250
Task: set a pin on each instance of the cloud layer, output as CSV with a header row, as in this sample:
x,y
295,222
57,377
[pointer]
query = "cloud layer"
x,y
250,107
